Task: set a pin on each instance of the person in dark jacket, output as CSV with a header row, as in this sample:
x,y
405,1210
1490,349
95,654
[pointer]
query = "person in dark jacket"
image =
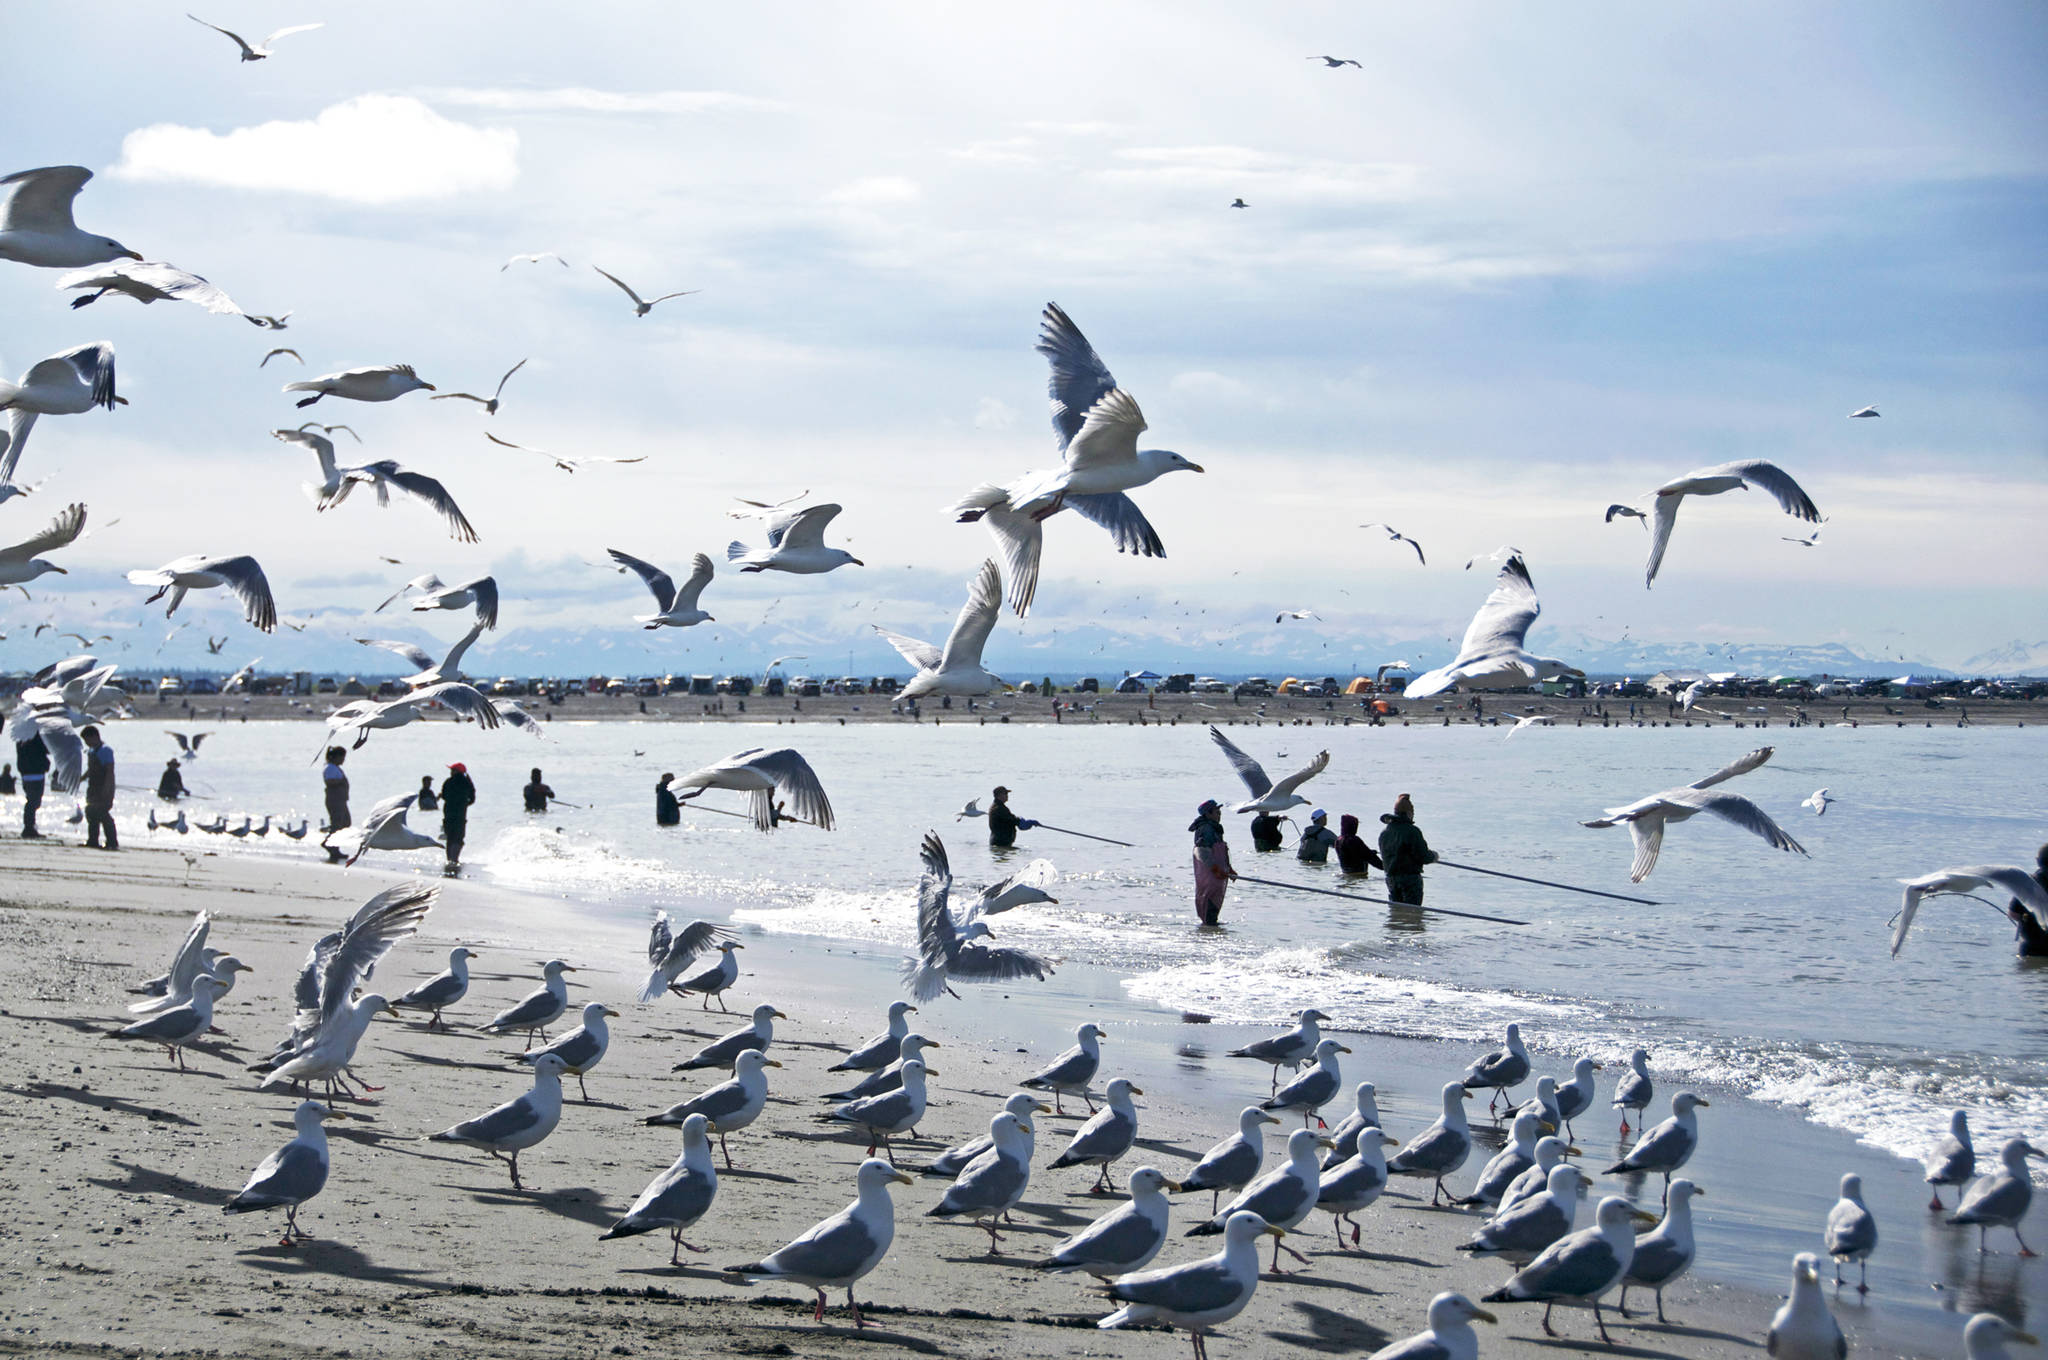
x,y
1266,831
536,793
6,778
2033,939
33,759
667,810
1354,856
1212,863
335,782
1317,840
425,801
1003,824
1403,852
99,791
170,785
458,791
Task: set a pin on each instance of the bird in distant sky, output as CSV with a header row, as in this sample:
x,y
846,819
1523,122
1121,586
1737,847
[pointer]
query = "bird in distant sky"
x,y
642,306
1334,62
280,350
535,258
262,49
1294,614
1630,512
1867,413
1812,540
1239,203
563,460
1712,481
490,404
1395,536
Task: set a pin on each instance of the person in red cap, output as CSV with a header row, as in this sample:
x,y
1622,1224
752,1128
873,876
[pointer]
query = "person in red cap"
x,y
1212,862
457,793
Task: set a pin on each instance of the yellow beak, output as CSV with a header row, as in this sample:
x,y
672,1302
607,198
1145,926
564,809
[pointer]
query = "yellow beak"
x,y
1481,1315
771,1063
901,1178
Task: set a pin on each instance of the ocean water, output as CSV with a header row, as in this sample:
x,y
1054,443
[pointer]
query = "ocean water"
x,y
1759,972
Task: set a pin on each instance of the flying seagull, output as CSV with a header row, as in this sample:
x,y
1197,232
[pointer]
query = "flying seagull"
x,y
1334,62
1867,413
675,608
36,226
642,306
241,575
562,460
534,258
337,482
379,382
1098,424
1395,536
1492,656
435,593
764,775
282,349
796,543
1647,817
1712,481
1239,203
1628,512
950,950
956,669
2009,880
1294,614
1267,796
147,281
262,49
23,561
65,384
489,404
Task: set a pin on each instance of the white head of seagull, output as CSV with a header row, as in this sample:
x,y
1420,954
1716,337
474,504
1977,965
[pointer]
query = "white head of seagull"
x,y
1804,1328
36,226
1986,1335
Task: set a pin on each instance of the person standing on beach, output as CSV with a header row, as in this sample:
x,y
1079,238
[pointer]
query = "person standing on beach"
x,y
33,759
1266,831
99,790
6,779
1354,856
667,810
170,785
1403,852
336,785
458,791
1317,840
425,800
1003,824
1212,863
536,793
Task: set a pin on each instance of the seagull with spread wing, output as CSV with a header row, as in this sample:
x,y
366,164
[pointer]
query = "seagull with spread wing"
x,y
490,403
429,673
1396,536
1712,481
36,227
364,716
148,281
23,561
1627,512
535,258
377,382
956,669
562,460
481,591
2010,879
1492,656
66,384
336,482
1267,796
1647,817
262,49
949,949
242,576
674,608
1098,424
268,355
642,306
796,543
763,775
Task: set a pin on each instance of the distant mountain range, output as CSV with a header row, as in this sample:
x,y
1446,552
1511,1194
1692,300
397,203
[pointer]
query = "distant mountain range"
x,y
2015,658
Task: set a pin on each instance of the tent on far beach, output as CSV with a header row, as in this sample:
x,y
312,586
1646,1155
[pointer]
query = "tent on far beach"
x,y
1359,685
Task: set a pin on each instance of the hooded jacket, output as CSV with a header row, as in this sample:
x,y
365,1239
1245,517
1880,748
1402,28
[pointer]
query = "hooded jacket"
x,y
1354,856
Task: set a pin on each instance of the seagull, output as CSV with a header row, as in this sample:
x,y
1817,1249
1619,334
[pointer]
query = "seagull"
x,y
1197,1296
290,1176
1449,1337
1439,1149
670,951
764,775
442,990
1501,1070
1354,1184
534,258
991,1185
2009,879
642,306
1125,1239
1239,203
364,716
1335,62
188,747
490,404
755,1035
65,384
148,281
1106,1136
1233,1163
1282,1197
1267,796
1070,1073
1634,1089
23,561
517,1124
1575,1097
1313,1089
1027,887
1395,536
1985,1335
1528,721
1519,1233
675,608
240,575
1669,1145
481,591
1294,614
948,948
1952,1160
1098,425
270,323
182,1024
191,959
36,227
582,1048
379,382
730,1105
1492,656
1291,1049
878,1052
262,49
1851,1232
1804,1329
1507,1164
1647,817
538,1009
1365,1114
281,349
1550,1154
679,1197
1581,1266
1667,1251
430,673
714,981
1712,481
889,1115
956,669
1630,512
213,644
329,1019
840,1251
1867,413
1818,800
562,460
765,510
796,543
1812,540
2001,1198
337,482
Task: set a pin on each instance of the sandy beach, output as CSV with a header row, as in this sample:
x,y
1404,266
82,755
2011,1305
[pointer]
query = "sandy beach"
x,y
115,1166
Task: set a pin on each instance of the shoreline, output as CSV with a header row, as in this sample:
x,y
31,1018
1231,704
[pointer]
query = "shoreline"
x,y
418,1247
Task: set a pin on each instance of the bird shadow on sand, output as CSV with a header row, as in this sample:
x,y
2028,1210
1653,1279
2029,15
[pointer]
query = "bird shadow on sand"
x,y
1055,1217
1302,1277
1640,1323
835,1332
141,1180
315,1256
1169,1149
581,1204
669,1272
1591,1340
45,1090
435,1060
1331,1331
82,1024
744,1174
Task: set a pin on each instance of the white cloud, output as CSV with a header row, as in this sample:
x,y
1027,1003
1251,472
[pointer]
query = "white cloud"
x,y
1205,383
1259,174
876,191
581,99
375,148
992,413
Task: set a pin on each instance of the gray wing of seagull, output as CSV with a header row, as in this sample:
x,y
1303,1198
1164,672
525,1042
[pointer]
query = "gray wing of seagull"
x,y
882,1111
1121,1235
1197,1287
378,924
659,583
466,700
190,959
1657,1259
1232,1162
918,653
178,1023
577,1048
1315,1087
509,1120
1119,514
1667,1145
291,1175
1436,1149
1527,1229
527,1013
1250,771
1573,1267
1741,765
1276,1197
1107,1134
1078,380
434,993
1997,1198
991,1181
794,779
834,1250
720,1102
1070,1067
678,1196
720,1052
985,963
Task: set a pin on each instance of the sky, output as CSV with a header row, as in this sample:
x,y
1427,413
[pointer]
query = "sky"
x,y
1519,263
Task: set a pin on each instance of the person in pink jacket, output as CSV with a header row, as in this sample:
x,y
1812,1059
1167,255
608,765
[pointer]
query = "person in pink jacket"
x,y
1212,863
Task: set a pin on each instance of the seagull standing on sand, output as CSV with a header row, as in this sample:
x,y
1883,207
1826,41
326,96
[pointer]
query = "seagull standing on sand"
x,y
2000,1199
1511,1161
671,951
1804,1328
954,1160
242,576
1282,1197
992,1184
678,1198
1396,536
1439,1149
1070,1073
796,543
889,1078
329,1018
1580,1267
180,1025
538,1009
378,382
1107,1136
714,981
1098,425
1267,796
949,949
763,774
878,1052
756,1034
22,561
1313,1089
1575,1097
1666,1252
1123,1240
1492,655
956,669
1634,1090
517,1124
490,403
290,1176
1233,1163
1712,481
583,1047
148,281
442,990
1449,1337
36,227
730,1105
1198,1296
1365,1114
1501,1070
1952,1160
1647,817
1851,1233
261,50
840,1251
888,1115
65,384
1291,1049
641,306
1354,1184
1550,1153
1518,1234
1668,1146
673,608
2009,879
